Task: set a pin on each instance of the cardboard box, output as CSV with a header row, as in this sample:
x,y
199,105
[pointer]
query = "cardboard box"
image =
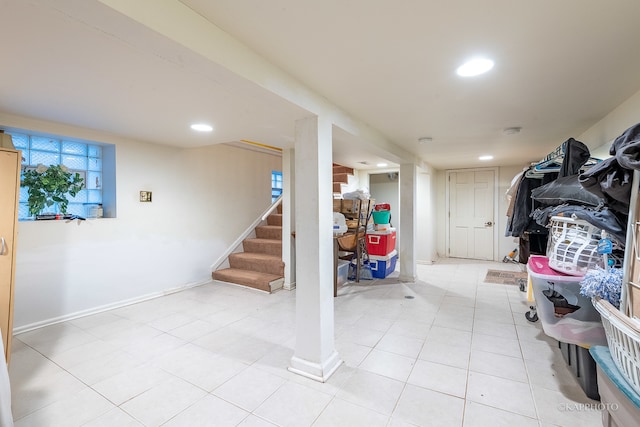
x,y
350,206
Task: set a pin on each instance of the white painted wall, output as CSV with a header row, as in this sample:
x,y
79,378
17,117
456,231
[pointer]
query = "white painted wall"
x,y
600,136
504,244
384,190
202,200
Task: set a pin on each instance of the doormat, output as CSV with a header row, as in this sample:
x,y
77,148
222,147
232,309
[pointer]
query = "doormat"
x,y
504,277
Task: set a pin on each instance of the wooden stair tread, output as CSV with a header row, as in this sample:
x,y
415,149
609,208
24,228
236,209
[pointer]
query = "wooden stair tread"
x,y
340,177
342,169
270,227
257,255
258,245
273,232
249,278
257,261
274,219
265,241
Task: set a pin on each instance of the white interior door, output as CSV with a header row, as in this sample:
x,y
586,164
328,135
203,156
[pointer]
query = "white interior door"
x,y
471,214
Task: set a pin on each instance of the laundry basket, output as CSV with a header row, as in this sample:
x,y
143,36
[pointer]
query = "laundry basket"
x,y
566,315
623,338
573,246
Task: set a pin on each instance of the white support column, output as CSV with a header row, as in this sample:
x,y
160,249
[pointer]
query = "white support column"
x,y
407,250
315,355
288,218
425,217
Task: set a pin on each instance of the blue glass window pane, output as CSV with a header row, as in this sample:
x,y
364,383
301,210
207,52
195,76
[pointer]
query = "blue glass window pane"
x,y
23,211
45,144
81,197
95,180
74,148
76,209
81,158
24,193
20,141
95,151
94,164
94,196
46,159
74,162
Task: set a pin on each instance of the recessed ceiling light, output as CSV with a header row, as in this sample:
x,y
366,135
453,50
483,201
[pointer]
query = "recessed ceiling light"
x,y
474,67
202,127
381,165
485,158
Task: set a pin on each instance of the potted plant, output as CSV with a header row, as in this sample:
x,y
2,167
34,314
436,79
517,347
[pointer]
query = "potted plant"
x,y
50,185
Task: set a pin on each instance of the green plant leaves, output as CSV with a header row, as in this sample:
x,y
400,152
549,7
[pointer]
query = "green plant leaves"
x,y
47,186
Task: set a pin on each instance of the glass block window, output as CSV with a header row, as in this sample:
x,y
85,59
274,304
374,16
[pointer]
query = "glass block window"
x,y
276,185
80,157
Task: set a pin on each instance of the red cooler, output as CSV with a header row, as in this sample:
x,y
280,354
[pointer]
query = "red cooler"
x,y
381,243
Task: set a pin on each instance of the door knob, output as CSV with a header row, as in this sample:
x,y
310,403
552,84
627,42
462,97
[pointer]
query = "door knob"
x,y
3,246
488,224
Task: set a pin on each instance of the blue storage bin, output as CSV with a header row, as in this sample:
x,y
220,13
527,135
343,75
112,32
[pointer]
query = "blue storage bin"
x,y
382,266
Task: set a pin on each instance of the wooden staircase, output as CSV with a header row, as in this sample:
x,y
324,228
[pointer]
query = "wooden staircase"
x,y
340,177
260,265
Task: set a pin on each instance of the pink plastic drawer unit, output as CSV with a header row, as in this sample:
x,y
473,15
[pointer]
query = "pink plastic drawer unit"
x,y
566,315
382,266
381,243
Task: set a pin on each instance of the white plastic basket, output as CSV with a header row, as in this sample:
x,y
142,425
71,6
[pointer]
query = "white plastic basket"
x,y
623,338
573,246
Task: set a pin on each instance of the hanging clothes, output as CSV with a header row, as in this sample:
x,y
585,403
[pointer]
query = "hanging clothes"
x,y
626,148
611,182
612,178
523,205
567,160
576,154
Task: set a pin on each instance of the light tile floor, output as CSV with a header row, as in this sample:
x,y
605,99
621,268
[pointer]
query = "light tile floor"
x,y
459,353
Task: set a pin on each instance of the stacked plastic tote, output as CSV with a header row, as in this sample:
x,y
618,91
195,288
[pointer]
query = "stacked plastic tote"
x,y
381,243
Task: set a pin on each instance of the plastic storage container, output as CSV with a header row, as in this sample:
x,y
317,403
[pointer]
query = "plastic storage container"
x,y
382,266
566,315
339,223
343,271
621,405
582,366
381,217
381,243
382,227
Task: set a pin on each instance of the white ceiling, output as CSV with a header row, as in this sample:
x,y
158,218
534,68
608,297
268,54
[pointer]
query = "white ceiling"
x,y
560,67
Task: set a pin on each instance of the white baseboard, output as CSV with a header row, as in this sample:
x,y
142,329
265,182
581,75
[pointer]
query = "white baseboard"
x,y
316,371
103,308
